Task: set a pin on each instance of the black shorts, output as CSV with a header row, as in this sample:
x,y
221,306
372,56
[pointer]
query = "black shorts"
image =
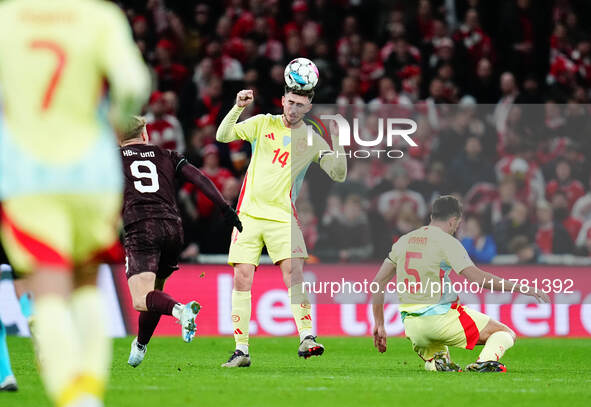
x,y
153,245
4,260
3,257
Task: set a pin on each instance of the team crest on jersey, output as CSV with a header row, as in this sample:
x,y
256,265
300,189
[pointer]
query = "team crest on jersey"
x,y
286,140
301,145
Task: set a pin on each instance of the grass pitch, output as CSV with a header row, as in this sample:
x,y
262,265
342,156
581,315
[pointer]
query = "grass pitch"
x,y
541,372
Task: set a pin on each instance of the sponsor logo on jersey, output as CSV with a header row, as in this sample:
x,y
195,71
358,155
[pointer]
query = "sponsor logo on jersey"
x,y
128,153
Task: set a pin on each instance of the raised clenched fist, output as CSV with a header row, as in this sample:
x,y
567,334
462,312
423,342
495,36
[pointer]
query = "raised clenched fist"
x,y
244,98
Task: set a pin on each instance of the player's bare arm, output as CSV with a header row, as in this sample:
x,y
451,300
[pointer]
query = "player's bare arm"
x,y
386,272
484,278
226,132
196,177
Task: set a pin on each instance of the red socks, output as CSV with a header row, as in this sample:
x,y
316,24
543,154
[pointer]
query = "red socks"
x,y
160,302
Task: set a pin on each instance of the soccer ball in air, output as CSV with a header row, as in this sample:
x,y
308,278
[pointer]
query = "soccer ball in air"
x,y
301,74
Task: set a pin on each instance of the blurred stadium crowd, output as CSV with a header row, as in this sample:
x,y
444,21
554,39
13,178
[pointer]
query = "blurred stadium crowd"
x,y
499,89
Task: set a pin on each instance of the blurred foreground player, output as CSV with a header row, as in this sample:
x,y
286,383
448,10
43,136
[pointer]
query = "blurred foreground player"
x,y
154,231
7,379
433,317
280,158
61,181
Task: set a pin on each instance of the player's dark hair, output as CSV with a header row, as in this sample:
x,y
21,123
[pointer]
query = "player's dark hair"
x,y
135,127
446,207
308,93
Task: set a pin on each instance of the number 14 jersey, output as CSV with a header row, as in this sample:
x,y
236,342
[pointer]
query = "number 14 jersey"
x,y
280,158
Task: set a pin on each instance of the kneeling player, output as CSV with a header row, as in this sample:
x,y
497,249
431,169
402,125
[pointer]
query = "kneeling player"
x,y
428,255
154,232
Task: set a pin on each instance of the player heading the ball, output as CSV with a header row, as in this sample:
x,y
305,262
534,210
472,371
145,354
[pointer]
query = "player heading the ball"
x,y
266,206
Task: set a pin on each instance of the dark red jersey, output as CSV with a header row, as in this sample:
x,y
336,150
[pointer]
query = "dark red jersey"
x,y
150,173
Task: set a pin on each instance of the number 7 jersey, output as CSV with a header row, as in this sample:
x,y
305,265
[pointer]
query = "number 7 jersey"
x,y
55,59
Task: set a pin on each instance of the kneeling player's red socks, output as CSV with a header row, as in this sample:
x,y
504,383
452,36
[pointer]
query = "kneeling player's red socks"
x,y
160,302
147,322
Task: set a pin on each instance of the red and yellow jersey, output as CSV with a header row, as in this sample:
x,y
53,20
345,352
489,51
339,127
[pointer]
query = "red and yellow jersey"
x,y
55,58
280,159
